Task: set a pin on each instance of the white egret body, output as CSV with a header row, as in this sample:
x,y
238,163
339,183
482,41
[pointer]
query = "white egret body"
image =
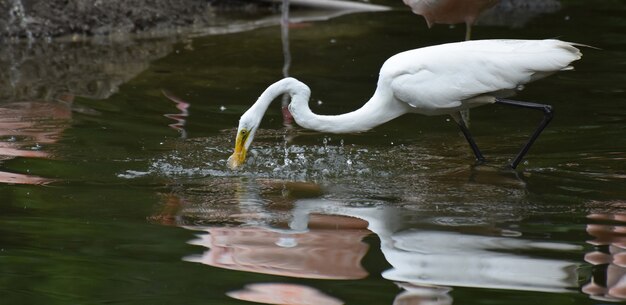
x,y
435,80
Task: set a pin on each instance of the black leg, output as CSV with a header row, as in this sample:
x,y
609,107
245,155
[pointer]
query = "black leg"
x,y
468,137
548,114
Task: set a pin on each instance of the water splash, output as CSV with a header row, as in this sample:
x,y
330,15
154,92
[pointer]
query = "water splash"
x,y
278,160
279,154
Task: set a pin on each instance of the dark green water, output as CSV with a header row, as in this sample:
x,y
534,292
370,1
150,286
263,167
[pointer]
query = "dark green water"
x,y
113,195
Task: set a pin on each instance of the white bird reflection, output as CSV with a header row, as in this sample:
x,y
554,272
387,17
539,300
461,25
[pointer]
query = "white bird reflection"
x,y
453,259
426,257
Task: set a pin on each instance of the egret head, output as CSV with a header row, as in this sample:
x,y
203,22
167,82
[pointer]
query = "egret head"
x,y
248,125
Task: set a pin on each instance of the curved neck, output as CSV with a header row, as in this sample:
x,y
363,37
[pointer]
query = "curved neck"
x,y
378,110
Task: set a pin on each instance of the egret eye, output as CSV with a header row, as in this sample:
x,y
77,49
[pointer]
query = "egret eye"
x,y
244,132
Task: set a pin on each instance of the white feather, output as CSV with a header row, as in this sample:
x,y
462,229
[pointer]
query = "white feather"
x,y
440,79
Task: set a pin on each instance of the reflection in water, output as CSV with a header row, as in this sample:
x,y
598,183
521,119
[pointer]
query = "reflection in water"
x,y
453,259
326,247
275,230
38,83
279,293
608,228
47,71
26,128
95,68
423,295
426,258
330,247
324,253
181,117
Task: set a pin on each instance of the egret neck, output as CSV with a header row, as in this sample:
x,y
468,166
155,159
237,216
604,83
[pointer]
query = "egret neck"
x,y
376,111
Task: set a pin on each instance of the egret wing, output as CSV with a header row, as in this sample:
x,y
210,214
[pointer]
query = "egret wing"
x,y
443,77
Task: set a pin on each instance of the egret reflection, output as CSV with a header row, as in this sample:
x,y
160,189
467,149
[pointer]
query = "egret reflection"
x,y
286,229
424,257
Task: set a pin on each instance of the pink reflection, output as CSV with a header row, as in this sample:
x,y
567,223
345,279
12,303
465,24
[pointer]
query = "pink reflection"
x,y
179,118
608,280
319,246
25,126
319,253
450,11
12,178
287,294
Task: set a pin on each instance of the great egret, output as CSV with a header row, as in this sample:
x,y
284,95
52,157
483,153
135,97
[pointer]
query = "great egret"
x,y
435,80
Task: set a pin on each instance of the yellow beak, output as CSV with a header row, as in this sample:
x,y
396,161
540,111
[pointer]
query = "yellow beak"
x,y
239,156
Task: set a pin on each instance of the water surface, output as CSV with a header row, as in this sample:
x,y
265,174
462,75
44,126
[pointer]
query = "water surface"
x,y
115,187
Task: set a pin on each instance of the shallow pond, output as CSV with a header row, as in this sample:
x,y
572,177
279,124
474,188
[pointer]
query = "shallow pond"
x,y
115,187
